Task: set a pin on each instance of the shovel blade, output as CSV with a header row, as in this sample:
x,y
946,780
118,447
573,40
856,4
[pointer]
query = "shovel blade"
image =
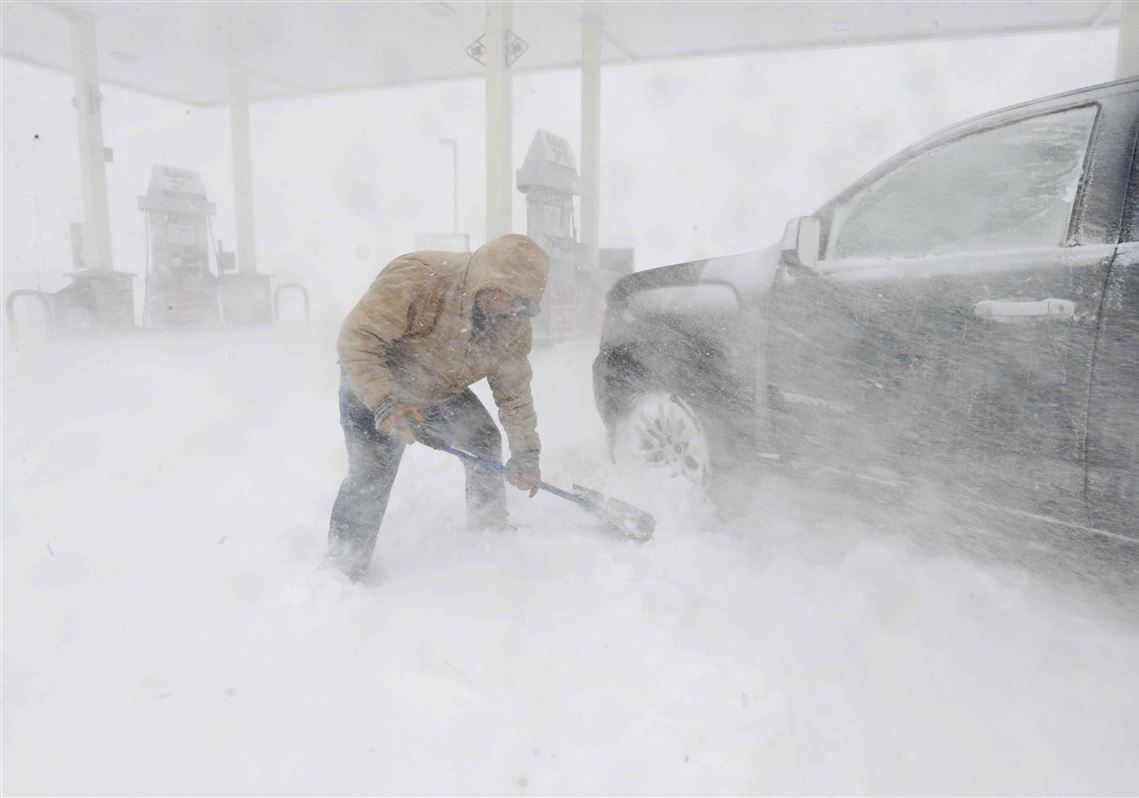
x,y
623,518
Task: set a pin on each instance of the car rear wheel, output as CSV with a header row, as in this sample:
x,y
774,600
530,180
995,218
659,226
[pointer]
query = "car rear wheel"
x,y
662,432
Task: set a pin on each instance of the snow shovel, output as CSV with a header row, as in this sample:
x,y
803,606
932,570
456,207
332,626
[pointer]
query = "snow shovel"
x,y
625,519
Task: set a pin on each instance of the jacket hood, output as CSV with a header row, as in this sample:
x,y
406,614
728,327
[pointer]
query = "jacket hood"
x,y
512,263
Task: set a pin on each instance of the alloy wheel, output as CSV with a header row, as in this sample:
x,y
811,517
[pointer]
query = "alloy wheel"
x,y
662,432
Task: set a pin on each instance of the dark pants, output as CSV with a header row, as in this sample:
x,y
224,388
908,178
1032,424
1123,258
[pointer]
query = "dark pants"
x,y
373,460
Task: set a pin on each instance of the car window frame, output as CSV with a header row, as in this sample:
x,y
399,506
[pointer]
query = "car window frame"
x,y
1129,224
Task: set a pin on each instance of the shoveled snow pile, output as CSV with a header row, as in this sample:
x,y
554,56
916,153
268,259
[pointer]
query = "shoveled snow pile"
x,y
168,626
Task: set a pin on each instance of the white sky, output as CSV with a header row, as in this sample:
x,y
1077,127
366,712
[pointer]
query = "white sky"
x,y
698,157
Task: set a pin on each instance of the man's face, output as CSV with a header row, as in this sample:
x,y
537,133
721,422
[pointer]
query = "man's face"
x,y
494,302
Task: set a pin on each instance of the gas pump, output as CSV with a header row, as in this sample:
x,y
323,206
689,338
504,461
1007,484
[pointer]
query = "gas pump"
x,y
548,178
181,290
574,291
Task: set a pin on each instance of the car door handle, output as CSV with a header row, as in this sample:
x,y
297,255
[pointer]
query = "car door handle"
x,y
1016,310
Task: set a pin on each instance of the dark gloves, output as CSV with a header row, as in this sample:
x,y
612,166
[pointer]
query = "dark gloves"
x,y
522,471
395,418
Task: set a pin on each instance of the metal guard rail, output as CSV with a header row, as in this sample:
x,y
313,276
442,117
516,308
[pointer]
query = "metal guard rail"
x,y
45,302
290,287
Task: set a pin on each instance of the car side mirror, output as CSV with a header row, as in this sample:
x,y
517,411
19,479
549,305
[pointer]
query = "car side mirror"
x,y
801,242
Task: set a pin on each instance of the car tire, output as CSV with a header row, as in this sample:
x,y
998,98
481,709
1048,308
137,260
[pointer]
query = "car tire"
x,y
662,431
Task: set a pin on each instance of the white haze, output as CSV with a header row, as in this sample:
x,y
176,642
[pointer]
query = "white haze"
x,y
167,627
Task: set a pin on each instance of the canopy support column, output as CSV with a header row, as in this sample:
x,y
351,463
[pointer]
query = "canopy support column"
x,y
499,122
1127,54
245,296
92,160
590,139
98,299
242,149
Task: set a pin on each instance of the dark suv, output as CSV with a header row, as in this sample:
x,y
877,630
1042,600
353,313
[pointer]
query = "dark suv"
x,y
964,316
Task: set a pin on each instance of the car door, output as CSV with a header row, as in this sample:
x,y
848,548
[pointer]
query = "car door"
x,y
948,328
1113,418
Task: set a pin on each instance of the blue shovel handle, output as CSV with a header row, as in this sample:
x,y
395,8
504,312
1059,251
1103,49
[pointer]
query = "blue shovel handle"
x,y
493,466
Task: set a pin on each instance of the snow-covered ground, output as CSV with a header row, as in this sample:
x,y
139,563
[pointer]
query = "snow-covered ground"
x,y
167,626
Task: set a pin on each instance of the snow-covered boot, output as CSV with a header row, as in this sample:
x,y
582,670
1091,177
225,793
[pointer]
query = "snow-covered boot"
x,y
349,558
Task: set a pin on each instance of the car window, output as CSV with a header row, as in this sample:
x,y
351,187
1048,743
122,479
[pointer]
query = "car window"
x,y
1010,187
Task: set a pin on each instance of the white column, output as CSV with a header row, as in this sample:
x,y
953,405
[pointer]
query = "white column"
x,y
1127,54
242,173
590,138
454,145
92,165
499,119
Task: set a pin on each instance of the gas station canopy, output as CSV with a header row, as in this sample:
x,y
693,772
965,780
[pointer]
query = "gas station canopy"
x,y
186,51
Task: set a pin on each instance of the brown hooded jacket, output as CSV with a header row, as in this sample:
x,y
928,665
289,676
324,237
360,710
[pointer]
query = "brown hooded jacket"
x,y
412,335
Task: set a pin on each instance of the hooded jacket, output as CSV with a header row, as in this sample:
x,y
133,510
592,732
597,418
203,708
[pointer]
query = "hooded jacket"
x,y
413,337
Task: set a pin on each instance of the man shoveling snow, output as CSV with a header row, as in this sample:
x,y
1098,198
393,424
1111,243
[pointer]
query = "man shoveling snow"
x,y
430,325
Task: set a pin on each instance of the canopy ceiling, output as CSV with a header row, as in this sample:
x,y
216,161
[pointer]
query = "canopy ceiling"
x,y
184,51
